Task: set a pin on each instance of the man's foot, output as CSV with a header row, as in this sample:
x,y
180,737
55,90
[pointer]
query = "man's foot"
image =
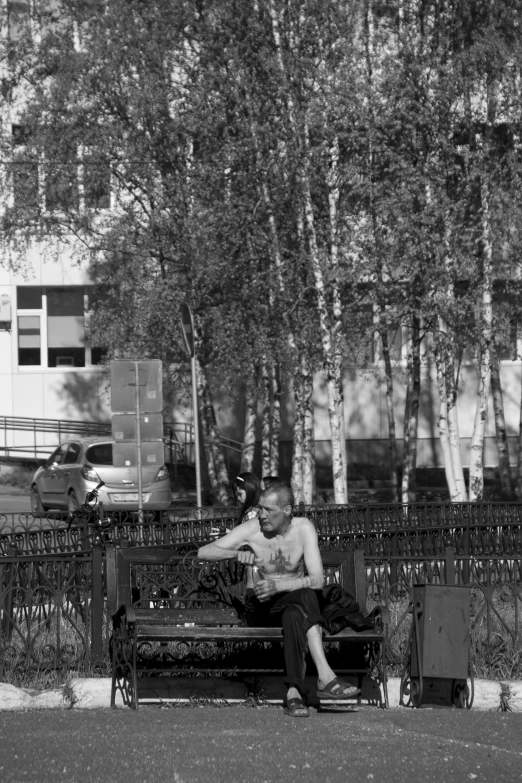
x,y
296,709
337,689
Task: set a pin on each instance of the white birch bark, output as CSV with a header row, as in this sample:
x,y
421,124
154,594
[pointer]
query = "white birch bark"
x,y
249,432
297,452
406,430
476,472
454,432
518,481
450,376
265,386
309,437
217,468
275,429
332,388
440,365
411,415
390,410
500,428
336,424
332,182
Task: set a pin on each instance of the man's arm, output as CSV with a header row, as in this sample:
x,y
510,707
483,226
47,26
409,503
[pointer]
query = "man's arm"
x,y
228,546
313,563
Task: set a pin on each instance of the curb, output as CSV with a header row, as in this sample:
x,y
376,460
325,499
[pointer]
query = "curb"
x,y
95,693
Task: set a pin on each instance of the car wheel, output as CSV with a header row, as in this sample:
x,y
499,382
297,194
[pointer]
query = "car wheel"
x,y
72,502
37,507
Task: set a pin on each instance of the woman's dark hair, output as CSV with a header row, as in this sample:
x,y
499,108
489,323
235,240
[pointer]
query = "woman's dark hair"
x,y
252,487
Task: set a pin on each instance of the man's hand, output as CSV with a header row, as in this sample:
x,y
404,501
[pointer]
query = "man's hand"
x,y
265,589
247,557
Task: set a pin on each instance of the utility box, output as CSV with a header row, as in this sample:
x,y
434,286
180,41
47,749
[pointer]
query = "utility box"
x,y
438,664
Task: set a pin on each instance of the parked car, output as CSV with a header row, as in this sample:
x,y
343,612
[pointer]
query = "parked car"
x,y
79,465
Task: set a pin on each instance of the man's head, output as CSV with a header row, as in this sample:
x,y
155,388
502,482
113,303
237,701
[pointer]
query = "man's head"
x,y
275,506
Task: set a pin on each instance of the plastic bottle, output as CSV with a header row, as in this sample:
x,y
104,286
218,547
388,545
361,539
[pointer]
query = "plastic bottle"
x,y
256,574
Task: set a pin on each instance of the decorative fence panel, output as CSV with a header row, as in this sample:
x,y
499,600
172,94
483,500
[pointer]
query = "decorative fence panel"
x,y
496,603
46,611
417,530
52,611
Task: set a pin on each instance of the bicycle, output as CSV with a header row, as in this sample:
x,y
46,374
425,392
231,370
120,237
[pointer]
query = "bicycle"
x,y
92,516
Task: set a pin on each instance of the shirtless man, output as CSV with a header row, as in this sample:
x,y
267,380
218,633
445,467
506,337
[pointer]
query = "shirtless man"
x,y
284,548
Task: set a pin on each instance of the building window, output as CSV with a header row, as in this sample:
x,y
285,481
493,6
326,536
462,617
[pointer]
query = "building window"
x,y
18,19
25,186
61,186
29,340
29,298
24,172
65,327
54,327
96,184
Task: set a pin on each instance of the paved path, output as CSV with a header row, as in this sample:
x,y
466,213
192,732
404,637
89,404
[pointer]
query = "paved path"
x,y
246,745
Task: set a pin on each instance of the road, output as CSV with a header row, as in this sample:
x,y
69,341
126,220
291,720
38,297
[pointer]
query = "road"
x,y
14,501
248,745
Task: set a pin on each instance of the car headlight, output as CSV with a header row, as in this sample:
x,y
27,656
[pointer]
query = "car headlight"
x,y
162,474
89,473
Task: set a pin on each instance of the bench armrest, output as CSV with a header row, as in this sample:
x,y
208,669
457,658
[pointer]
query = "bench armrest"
x,y
127,611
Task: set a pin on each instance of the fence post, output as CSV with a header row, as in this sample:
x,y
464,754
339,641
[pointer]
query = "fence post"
x,y
449,565
96,605
7,577
165,520
465,564
394,570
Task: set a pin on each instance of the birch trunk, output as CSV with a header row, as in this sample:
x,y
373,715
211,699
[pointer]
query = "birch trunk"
x,y
337,312
518,483
392,434
454,434
298,441
334,392
275,429
440,365
405,483
249,434
217,468
309,438
265,387
476,471
334,407
411,416
500,429
451,377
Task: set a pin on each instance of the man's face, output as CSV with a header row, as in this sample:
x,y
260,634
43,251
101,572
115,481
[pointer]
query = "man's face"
x,y
272,516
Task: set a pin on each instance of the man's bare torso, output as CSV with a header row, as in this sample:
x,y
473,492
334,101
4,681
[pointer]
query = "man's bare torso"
x,y
282,556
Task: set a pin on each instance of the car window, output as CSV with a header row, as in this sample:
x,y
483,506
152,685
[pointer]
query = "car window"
x,y
58,456
99,454
72,455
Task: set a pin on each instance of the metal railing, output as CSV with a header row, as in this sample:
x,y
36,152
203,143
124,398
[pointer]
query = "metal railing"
x,y
22,437
53,608
417,530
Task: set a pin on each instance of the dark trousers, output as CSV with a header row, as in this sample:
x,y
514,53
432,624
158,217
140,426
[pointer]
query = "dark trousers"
x,y
295,612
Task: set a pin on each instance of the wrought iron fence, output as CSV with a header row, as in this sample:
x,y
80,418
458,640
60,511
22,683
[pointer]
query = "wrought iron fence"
x,y
418,530
496,601
51,608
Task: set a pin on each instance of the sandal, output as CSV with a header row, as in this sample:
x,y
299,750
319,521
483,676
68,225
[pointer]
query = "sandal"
x,y
337,689
296,709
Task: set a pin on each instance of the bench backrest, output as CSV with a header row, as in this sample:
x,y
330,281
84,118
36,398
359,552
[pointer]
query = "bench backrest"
x,y
177,574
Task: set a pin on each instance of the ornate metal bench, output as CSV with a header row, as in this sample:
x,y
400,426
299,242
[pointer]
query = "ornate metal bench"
x,y
171,613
